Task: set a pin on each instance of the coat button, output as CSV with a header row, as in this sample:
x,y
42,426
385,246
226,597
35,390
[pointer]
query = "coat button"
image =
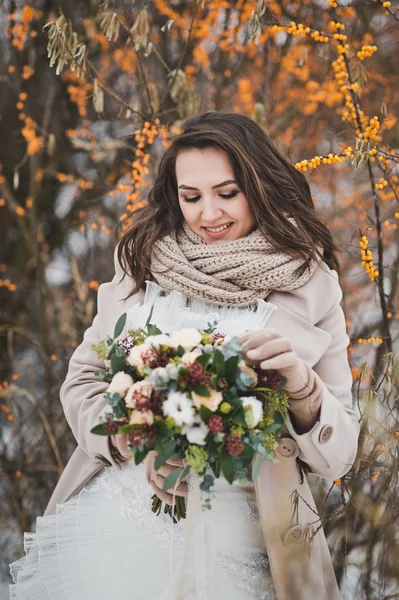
x,y
287,449
293,535
325,434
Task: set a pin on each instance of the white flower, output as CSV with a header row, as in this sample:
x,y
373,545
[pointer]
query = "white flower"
x,y
139,393
180,408
141,417
212,402
172,371
189,357
159,375
196,433
253,409
188,338
158,340
120,383
137,354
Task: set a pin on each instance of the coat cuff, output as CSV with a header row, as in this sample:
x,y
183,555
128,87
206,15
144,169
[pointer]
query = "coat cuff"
x,y
305,403
330,447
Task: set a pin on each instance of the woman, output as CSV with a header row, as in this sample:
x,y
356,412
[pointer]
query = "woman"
x,y
228,221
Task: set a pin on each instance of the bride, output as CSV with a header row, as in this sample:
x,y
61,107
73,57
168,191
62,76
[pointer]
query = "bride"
x,y
229,223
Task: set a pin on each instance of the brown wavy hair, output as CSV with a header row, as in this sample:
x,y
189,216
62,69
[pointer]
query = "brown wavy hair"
x,y
274,188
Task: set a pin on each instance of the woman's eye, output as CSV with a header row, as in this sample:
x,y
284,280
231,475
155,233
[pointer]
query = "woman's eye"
x,y
231,195
195,198
189,199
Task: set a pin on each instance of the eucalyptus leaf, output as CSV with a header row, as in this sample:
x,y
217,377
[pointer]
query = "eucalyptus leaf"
x,y
120,325
173,477
160,459
255,468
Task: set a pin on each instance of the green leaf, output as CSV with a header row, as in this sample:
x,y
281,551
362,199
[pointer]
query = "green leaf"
x,y
216,467
204,359
202,390
205,413
173,477
228,468
180,350
120,325
282,384
238,416
218,361
272,428
232,398
126,429
99,429
117,363
160,459
255,468
230,368
279,419
140,455
149,316
248,451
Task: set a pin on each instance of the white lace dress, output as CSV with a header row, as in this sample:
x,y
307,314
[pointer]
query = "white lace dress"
x,y
107,544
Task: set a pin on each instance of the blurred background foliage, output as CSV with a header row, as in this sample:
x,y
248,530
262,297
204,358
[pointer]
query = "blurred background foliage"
x,y
91,93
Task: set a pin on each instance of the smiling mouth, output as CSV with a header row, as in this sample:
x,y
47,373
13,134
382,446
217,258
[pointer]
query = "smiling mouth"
x,y
217,229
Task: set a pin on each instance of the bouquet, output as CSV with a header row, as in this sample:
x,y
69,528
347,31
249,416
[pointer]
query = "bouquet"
x,y
190,395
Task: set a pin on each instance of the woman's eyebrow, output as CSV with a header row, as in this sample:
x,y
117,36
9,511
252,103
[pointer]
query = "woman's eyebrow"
x,y
218,185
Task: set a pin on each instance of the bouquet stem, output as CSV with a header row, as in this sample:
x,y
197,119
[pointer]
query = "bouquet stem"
x,y
179,511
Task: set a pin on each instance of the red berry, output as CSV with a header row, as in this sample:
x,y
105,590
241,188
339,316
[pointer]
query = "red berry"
x,y
215,424
233,445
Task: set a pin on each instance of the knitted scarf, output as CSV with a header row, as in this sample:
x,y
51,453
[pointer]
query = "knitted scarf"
x,y
236,273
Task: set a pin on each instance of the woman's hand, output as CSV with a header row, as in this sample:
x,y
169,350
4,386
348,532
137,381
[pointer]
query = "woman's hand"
x,y
268,349
157,478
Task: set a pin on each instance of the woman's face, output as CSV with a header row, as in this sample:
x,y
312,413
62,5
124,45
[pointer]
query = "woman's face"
x,y
210,198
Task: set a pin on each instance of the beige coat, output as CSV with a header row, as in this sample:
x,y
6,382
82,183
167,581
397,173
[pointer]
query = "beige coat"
x,y
312,319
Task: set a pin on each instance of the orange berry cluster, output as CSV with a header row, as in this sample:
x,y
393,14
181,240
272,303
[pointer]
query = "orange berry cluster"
x,y
19,26
366,51
6,409
381,184
299,29
367,259
369,340
314,162
35,143
7,284
371,130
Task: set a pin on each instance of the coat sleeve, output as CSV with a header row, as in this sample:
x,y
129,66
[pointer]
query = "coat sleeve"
x,y
330,447
82,392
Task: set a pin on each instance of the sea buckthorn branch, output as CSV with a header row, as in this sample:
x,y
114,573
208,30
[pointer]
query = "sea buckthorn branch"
x,y
369,133
13,391
172,82
138,35
85,68
388,10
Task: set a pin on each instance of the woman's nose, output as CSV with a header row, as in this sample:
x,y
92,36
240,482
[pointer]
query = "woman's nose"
x,y
211,212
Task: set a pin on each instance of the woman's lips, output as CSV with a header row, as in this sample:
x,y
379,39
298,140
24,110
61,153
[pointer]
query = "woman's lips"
x,y
217,234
